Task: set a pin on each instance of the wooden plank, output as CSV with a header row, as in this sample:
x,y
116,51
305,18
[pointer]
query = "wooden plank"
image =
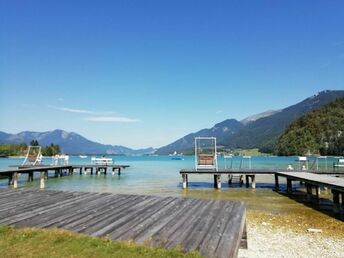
x,y
167,218
94,215
127,229
104,218
161,237
215,228
232,234
200,231
210,243
121,218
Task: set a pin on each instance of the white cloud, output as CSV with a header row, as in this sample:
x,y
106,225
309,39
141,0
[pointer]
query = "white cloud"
x,y
73,110
112,119
60,99
219,111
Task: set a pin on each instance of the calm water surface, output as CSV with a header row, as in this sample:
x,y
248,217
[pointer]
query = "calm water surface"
x,y
159,175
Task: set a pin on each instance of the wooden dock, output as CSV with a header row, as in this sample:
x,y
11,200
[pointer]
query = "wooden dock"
x,y
214,228
314,182
58,170
249,174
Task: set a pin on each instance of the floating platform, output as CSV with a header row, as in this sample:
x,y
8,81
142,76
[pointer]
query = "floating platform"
x,y
214,228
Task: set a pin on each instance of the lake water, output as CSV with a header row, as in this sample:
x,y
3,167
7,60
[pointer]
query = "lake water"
x,y
155,174
159,175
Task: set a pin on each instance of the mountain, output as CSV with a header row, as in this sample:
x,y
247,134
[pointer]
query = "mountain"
x,y
258,131
263,133
70,142
318,132
227,127
255,117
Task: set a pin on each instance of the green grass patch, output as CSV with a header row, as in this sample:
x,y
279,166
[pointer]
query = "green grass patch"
x,y
30,242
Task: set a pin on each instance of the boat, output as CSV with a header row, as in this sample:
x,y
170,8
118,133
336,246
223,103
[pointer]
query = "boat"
x,y
177,158
83,156
101,161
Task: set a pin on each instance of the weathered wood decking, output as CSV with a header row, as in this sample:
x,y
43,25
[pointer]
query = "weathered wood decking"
x,y
215,228
314,182
248,173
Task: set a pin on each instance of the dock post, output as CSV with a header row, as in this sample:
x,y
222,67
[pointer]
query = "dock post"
x,y
185,181
276,182
42,176
230,177
335,201
80,171
46,175
92,171
217,181
253,178
317,193
241,179
247,181
309,191
70,171
119,172
10,179
15,180
289,186
30,177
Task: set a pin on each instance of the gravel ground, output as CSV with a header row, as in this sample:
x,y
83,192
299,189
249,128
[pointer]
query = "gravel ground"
x,y
265,239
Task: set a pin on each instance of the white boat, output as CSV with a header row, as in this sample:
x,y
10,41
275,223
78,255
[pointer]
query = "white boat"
x,y
83,156
101,161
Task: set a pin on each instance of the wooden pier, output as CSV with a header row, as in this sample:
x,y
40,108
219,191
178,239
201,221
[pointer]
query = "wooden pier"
x,y
13,173
313,182
214,228
249,174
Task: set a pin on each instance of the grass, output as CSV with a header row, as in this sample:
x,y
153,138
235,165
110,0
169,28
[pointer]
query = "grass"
x,y
30,242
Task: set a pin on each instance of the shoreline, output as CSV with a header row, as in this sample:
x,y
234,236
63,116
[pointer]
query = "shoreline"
x,y
273,235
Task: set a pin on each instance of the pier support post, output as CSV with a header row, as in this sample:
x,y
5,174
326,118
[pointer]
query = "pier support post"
x,y
289,186
241,179
309,191
46,175
247,181
15,180
80,171
230,177
10,179
91,171
119,171
217,181
30,177
185,180
276,182
253,178
317,193
335,201
42,177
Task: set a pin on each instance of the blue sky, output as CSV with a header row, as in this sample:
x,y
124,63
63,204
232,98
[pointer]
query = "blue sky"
x,y
144,73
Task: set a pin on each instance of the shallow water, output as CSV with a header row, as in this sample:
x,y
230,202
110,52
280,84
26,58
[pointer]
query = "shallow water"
x,y
159,175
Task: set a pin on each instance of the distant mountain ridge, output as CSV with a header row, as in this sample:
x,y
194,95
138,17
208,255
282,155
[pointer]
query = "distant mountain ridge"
x,y
255,117
227,127
257,131
70,142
